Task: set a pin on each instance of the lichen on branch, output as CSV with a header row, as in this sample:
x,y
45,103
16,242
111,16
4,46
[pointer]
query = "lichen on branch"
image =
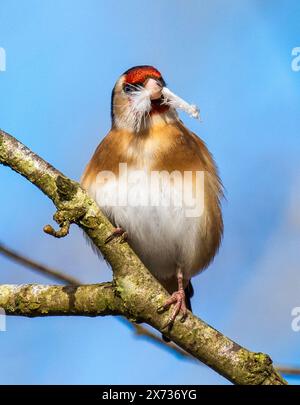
x,y
44,300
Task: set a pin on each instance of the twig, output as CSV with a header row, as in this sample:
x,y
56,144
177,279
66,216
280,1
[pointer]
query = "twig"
x,y
289,371
25,261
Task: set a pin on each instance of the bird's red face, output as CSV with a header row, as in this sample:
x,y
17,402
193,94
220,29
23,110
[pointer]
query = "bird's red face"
x,y
139,96
140,74
149,78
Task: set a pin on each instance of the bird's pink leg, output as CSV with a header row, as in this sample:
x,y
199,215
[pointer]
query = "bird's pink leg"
x,y
116,233
177,298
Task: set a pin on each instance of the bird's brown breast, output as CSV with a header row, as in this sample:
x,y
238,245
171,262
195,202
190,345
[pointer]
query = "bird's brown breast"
x,y
167,147
162,147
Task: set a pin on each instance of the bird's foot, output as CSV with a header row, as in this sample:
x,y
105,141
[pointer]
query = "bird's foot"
x,y
118,232
178,299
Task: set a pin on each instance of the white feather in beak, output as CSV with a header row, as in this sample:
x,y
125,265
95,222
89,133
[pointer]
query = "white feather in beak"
x,y
135,116
176,102
139,108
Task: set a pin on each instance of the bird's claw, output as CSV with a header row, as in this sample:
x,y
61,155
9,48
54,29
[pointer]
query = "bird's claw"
x,y
177,298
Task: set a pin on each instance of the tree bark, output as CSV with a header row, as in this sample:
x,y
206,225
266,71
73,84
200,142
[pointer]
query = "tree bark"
x,y
134,292
44,300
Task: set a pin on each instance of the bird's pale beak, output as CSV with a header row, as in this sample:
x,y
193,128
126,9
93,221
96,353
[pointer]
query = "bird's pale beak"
x,y
154,87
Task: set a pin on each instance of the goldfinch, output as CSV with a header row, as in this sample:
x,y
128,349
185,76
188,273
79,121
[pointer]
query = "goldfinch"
x,y
156,180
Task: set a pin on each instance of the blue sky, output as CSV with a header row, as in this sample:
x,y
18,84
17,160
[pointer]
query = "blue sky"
x,y
234,61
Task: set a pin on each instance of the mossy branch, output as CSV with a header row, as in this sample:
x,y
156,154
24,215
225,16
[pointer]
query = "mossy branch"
x,y
134,292
44,300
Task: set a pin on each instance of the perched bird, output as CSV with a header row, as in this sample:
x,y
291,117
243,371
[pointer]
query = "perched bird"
x,y
156,180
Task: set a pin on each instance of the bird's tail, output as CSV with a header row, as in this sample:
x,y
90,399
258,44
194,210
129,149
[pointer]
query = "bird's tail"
x,y
189,292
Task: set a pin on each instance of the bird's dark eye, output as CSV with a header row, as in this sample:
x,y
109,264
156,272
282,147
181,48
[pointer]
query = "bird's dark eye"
x,y
128,88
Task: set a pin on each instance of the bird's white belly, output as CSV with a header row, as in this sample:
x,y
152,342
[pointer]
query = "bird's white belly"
x,y
161,234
